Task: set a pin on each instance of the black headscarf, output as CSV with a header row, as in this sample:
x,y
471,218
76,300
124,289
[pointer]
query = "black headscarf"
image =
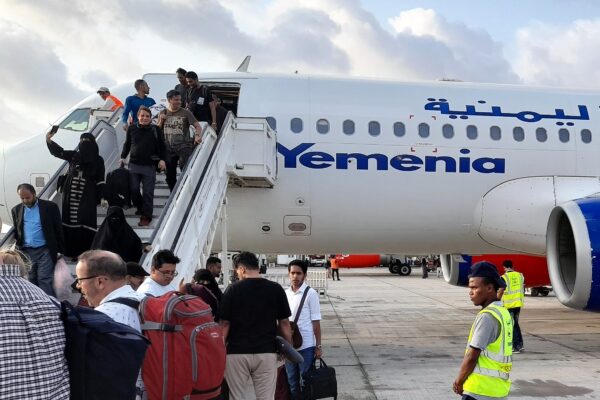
x,y
88,149
117,236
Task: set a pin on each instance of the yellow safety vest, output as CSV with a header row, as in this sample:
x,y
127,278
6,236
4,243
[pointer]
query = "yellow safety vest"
x,y
514,294
491,374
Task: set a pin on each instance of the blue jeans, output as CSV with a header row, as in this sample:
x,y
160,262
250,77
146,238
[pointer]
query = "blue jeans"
x,y
295,371
41,273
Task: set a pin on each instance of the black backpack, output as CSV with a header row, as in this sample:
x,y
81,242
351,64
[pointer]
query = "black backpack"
x,y
116,189
319,382
104,356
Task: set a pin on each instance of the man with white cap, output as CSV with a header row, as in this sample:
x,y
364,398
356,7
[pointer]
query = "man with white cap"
x,y
111,102
484,372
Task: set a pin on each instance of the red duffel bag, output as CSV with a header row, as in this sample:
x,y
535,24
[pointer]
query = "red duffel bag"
x,y
187,353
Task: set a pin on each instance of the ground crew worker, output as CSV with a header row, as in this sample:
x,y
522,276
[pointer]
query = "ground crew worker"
x,y
335,269
110,102
513,298
484,372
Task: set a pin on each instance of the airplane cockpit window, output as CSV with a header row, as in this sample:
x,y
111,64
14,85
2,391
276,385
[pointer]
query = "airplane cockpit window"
x,y
472,132
541,135
296,125
518,134
348,127
399,129
563,135
323,126
423,130
448,131
272,123
495,132
77,121
586,136
374,128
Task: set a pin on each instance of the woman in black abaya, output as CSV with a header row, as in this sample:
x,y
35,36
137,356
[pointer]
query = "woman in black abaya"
x,y
82,189
117,236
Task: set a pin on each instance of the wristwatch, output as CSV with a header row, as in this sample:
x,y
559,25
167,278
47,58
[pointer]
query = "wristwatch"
x,y
319,347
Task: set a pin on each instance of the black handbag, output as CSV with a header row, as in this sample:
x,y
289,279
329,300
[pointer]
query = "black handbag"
x,y
319,381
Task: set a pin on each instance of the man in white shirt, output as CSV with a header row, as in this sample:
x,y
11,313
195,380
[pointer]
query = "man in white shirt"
x,y
101,276
162,273
308,319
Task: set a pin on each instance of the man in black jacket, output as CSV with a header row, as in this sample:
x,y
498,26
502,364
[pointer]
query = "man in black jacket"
x,y
39,235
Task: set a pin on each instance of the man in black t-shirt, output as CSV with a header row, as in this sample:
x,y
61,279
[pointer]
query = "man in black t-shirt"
x,y
250,314
199,100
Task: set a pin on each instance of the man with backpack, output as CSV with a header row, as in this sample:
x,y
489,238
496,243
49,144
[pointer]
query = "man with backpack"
x,y
146,144
304,301
250,314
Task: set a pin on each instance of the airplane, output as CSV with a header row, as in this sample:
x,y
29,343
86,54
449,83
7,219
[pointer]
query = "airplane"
x,y
380,167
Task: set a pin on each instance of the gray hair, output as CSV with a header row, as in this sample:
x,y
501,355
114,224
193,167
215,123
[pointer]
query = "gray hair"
x,y
102,262
9,256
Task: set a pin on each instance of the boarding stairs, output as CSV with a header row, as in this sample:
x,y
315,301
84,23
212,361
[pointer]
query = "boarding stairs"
x,y
185,221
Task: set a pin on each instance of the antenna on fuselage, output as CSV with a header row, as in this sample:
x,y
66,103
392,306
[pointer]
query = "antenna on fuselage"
x,y
244,65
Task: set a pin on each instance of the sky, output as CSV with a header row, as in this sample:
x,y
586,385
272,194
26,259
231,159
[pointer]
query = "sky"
x,y
54,53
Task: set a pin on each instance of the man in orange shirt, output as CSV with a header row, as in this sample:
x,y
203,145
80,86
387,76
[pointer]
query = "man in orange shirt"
x,y
111,102
334,268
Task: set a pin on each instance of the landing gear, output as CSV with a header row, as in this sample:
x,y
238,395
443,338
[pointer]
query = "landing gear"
x,y
397,267
541,290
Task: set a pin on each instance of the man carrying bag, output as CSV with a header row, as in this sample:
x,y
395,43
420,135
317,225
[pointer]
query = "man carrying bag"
x,y
306,324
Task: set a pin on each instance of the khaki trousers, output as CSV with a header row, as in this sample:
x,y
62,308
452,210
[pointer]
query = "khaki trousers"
x,y
250,375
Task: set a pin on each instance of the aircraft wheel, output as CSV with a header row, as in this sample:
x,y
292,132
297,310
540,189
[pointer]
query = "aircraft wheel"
x,y
394,269
544,292
404,270
534,292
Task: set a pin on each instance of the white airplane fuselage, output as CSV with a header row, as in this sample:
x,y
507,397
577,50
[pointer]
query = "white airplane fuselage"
x,y
358,168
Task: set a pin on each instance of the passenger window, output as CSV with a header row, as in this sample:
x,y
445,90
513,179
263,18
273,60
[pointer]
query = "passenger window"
x,y
448,131
296,125
323,126
518,134
348,127
541,135
423,130
374,128
495,133
272,123
563,135
399,129
472,132
586,136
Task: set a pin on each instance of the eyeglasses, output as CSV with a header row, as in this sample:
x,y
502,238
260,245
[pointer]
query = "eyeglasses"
x,y
78,280
174,273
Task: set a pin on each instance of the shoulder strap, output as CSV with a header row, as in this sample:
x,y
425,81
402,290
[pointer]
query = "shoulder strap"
x,y
126,301
299,309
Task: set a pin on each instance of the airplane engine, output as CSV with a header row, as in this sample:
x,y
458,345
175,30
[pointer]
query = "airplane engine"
x,y
457,267
573,251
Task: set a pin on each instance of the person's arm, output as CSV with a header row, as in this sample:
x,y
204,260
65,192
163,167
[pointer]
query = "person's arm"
x,y
18,228
100,179
198,135
317,329
466,368
58,151
225,328
213,114
58,231
126,146
162,148
285,329
126,112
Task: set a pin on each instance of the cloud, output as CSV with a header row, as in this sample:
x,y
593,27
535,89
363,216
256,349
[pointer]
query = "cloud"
x,y
34,84
556,55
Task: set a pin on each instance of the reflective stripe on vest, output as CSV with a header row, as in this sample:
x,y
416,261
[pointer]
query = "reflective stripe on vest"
x,y
514,294
491,374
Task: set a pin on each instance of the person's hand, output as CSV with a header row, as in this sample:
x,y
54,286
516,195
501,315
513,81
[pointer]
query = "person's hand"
x,y
457,387
181,285
49,136
197,139
162,166
104,203
318,352
214,126
122,161
125,126
162,117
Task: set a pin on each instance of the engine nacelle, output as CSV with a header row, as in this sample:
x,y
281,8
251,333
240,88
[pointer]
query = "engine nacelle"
x,y
573,252
456,267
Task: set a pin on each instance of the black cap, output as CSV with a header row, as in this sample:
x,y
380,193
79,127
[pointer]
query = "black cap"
x,y
486,269
135,269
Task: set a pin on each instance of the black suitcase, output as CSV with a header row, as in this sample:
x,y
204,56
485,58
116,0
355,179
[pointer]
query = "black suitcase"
x,y
116,189
319,382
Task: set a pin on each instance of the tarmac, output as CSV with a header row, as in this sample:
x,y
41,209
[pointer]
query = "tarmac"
x,y
403,337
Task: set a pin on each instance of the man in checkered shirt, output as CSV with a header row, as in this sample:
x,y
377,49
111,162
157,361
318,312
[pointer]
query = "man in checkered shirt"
x,y
32,338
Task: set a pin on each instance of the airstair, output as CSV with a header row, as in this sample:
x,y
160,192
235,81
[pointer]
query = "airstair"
x,y
186,219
